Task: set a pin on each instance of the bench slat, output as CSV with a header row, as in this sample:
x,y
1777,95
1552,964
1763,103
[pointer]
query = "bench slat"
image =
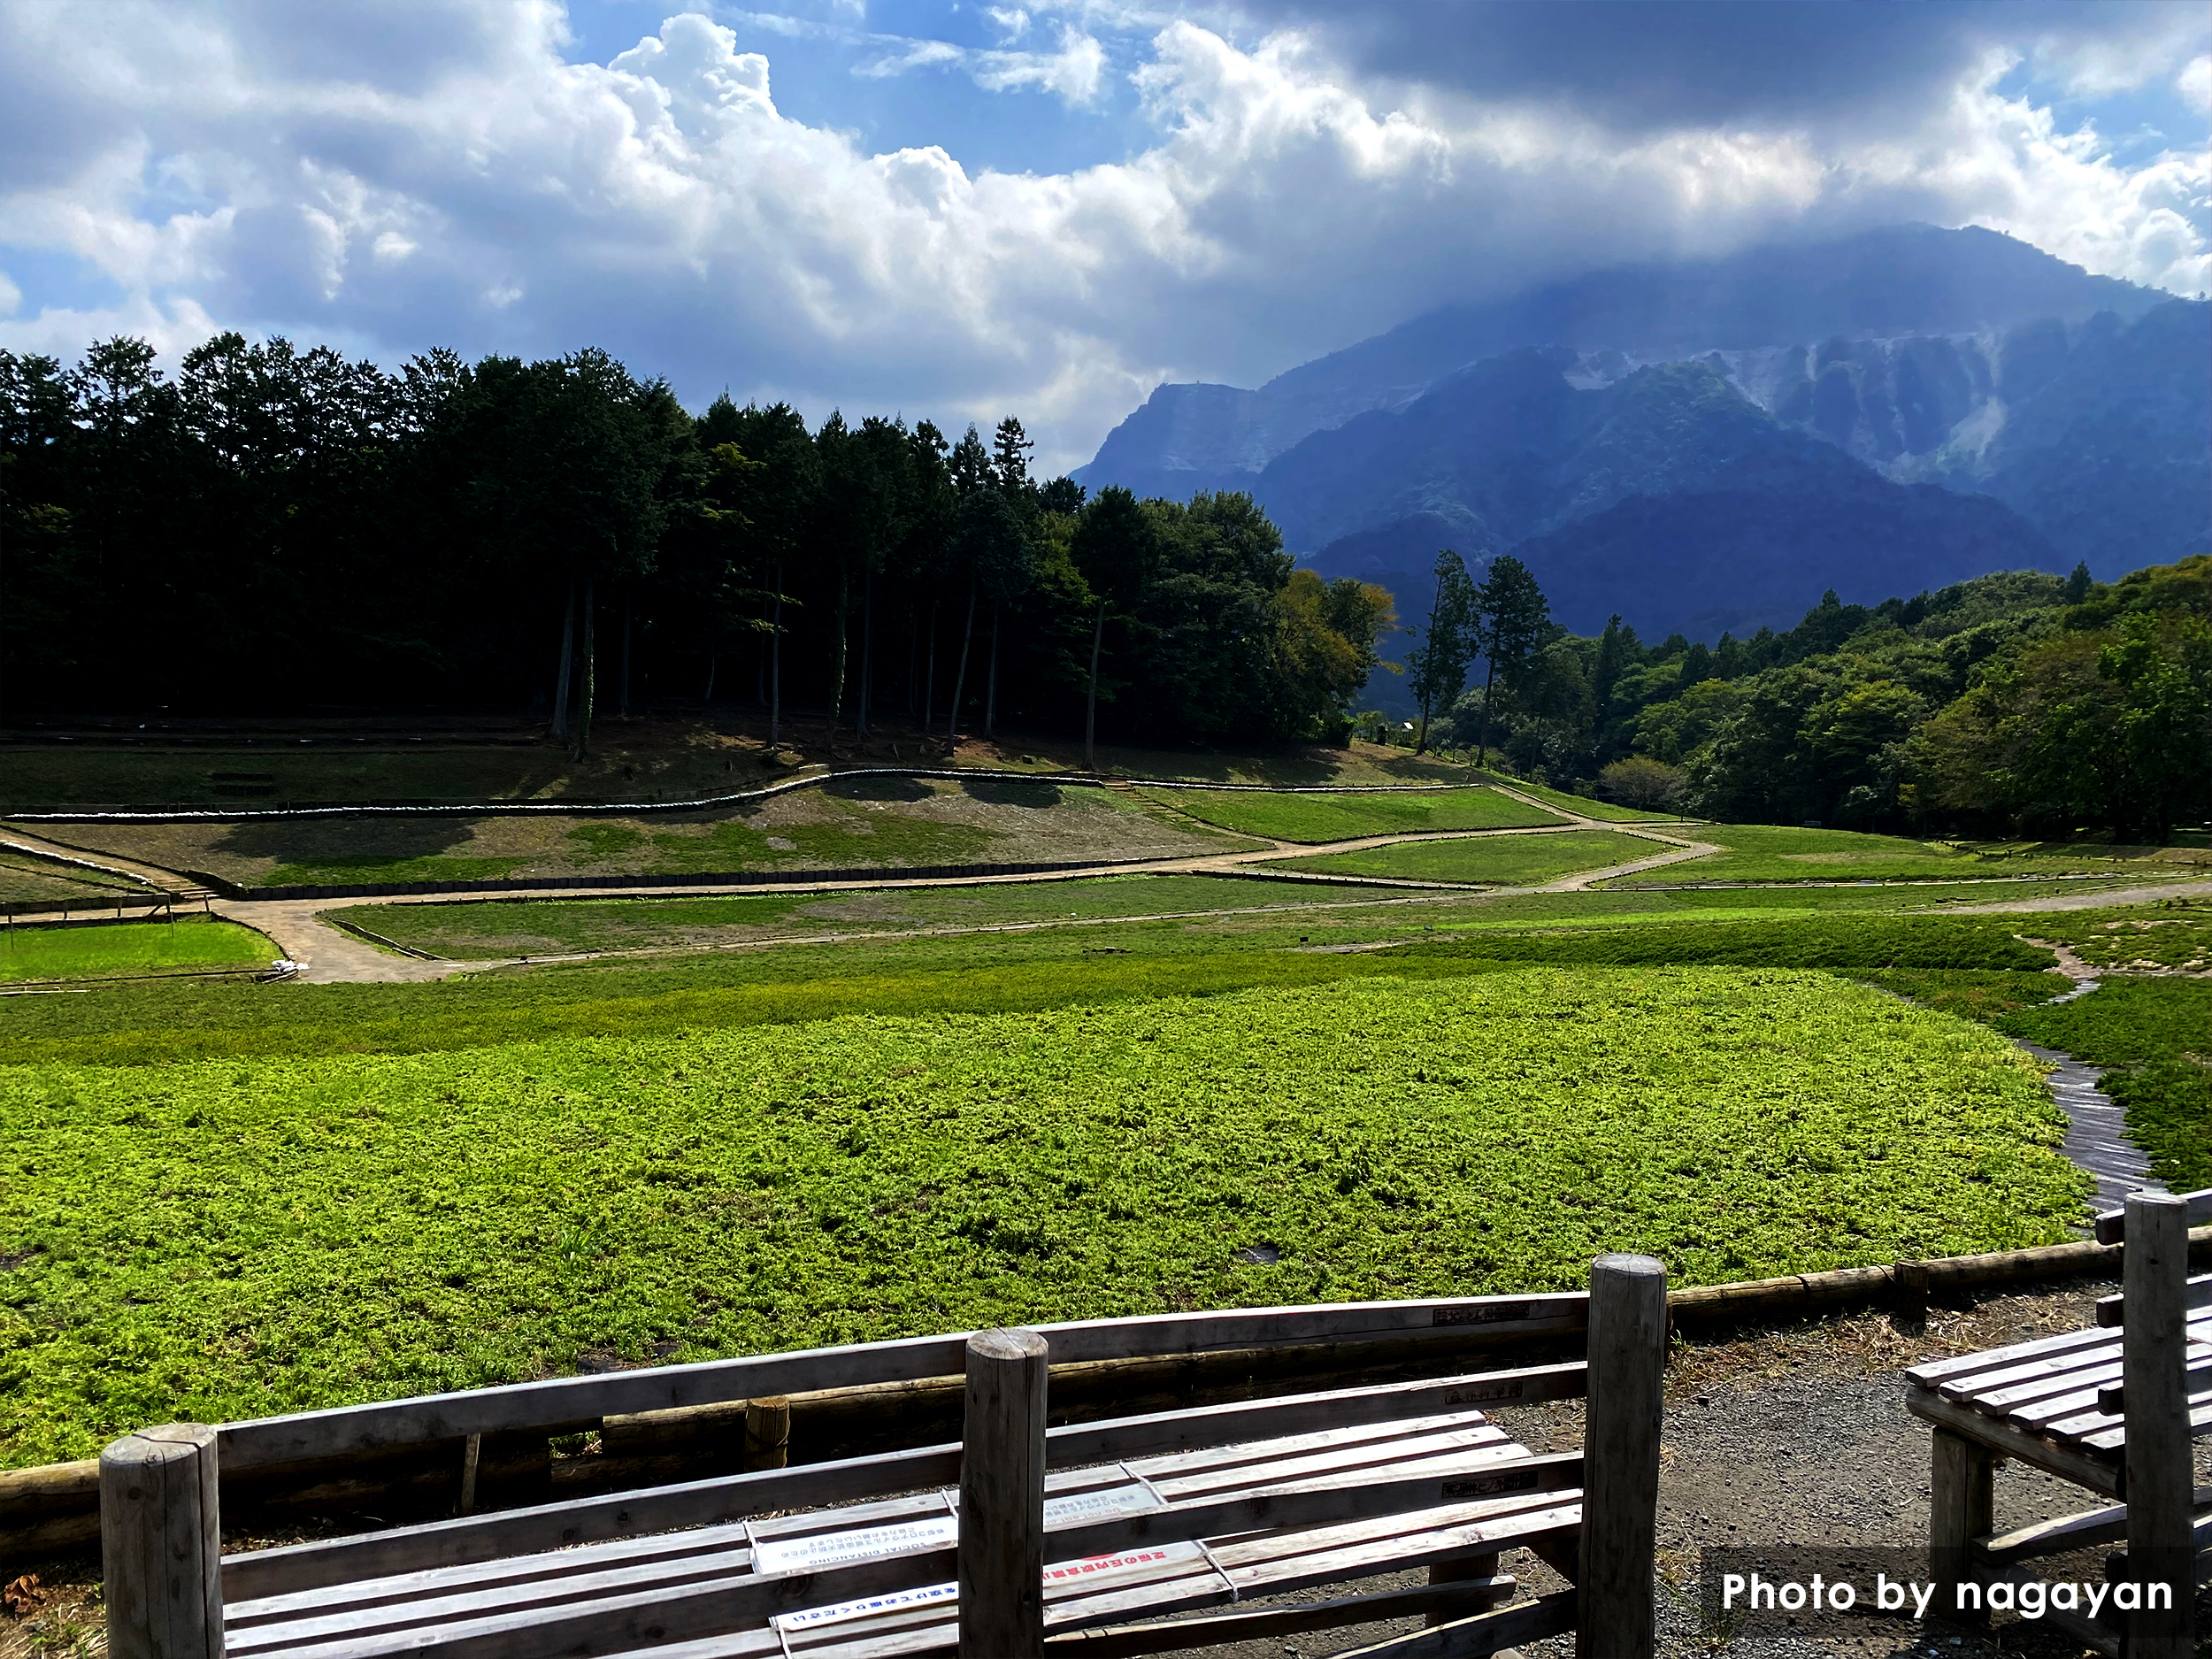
x,y
1960,1365
730,1498
1223,1469
565,1399
490,1627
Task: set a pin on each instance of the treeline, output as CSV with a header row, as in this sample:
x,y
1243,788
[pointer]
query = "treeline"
x,y
2016,705
275,528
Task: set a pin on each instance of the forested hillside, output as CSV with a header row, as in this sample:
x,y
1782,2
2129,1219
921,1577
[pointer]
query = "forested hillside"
x,y
2017,703
276,529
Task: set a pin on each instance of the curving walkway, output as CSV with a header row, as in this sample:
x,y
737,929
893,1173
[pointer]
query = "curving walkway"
x,y
327,955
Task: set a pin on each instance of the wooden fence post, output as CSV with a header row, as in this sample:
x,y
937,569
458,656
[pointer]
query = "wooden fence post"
x,y
768,1431
159,1545
2155,1273
1620,1452
1002,1498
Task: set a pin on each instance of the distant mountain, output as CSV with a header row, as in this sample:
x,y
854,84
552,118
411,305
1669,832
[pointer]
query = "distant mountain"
x,y
1668,497
1903,279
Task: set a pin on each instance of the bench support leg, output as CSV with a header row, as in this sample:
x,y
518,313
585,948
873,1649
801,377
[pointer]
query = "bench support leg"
x,y
1002,1498
2161,1552
1961,1509
1458,1569
1620,1451
160,1546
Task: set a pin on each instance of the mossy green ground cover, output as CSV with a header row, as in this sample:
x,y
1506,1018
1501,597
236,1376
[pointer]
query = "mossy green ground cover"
x,y
2174,933
1506,860
1339,817
129,948
2155,1035
222,1240
545,925
1763,852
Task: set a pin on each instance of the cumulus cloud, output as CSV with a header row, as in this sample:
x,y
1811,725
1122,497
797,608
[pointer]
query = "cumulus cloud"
x,y
2194,83
445,176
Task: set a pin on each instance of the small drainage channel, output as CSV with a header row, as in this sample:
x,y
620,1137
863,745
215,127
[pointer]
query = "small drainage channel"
x,y
2096,1128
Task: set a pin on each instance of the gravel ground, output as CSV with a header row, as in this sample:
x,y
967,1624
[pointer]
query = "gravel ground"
x,y
1792,1436
1801,1436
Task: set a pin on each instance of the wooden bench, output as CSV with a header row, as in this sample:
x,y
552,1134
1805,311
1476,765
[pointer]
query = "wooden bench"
x,y
2113,1408
1017,1540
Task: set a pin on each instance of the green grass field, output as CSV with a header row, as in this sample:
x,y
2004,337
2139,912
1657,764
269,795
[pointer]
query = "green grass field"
x,y
1332,818
1761,852
215,1240
2157,1035
128,948
1506,860
1586,806
547,927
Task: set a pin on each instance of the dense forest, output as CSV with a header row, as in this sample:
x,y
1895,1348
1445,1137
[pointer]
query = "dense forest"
x,y
277,529
2017,703
280,530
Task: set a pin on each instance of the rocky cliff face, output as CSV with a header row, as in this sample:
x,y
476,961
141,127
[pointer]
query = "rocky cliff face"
x,y
1911,280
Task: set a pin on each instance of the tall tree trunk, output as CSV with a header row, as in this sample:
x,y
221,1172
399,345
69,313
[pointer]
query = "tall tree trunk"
x,y
1482,737
775,663
929,678
867,644
990,694
1090,711
760,665
714,659
623,710
837,668
1428,666
591,675
560,677
960,679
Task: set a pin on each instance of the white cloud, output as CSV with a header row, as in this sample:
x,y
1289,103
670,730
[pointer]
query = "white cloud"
x,y
1076,74
2194,83
471,187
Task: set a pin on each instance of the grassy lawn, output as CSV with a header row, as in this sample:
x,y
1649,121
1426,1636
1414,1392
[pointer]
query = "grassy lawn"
x,y
1586,806
2157,1035
213,1240
1328,817
129,948
1764,852
1508,860
537,927
342,870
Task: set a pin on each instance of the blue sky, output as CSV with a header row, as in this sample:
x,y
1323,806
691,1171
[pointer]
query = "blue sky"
x,y
962,210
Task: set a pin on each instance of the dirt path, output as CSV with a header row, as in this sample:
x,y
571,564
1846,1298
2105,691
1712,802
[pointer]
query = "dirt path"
x,y
2197,889
328,956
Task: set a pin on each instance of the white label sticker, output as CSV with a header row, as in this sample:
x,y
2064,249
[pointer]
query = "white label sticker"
x,y
1097,1570
1127,1564
773,1555
895,1601
1098,1506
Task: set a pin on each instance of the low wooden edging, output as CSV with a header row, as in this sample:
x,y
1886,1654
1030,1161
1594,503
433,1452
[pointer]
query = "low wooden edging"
x,y
55,1509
